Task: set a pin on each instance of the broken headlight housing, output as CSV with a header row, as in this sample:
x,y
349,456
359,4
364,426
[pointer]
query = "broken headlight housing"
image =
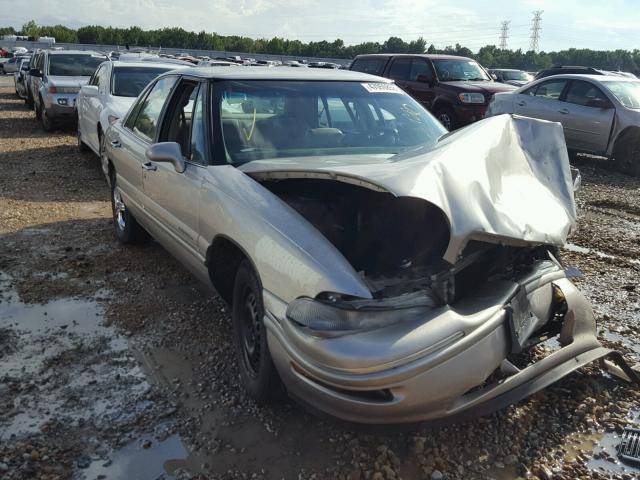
x,y
331,316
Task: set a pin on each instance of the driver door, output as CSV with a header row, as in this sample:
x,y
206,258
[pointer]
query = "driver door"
x,y
173,197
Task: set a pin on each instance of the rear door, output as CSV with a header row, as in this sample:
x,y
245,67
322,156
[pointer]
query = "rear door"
x,y
173,196
543,100
587,118
414,76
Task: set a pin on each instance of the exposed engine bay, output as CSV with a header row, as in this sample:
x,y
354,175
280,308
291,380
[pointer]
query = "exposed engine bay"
x,y
397,243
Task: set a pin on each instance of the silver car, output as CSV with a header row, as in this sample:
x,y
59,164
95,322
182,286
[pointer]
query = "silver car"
x,y
19,78
600,114
56,77
381,268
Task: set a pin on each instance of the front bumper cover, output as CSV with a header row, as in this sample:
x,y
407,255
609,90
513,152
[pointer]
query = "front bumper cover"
x,y
440,384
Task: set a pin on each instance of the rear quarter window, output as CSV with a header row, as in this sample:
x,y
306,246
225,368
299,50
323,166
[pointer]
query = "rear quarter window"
x,y
373,66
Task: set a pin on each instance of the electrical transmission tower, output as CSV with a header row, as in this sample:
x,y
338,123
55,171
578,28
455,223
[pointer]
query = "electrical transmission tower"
x,y
504,34
535,30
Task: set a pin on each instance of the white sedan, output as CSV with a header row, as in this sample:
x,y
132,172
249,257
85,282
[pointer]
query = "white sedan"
x,y
108,96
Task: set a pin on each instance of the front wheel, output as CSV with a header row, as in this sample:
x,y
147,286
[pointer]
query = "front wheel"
x,y
257,371
626,153
82,147
447,118
128,230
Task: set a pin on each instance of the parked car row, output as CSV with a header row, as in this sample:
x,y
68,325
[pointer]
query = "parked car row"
x,y
330,210
599,110
600,114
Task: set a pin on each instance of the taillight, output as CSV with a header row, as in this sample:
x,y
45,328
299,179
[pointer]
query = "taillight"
x,y
52,90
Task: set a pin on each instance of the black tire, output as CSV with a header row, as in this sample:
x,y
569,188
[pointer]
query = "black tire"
x,y
257,371
48,125
447,117
82,147
626,153
128,230
37,108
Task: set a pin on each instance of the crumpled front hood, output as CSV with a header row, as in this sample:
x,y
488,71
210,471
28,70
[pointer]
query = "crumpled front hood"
x,y
505,179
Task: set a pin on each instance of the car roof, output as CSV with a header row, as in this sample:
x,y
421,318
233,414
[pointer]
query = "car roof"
x,y
281,73
158,64
432,56
75,52
583,76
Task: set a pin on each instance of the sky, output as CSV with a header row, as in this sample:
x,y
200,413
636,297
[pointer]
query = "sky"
x,y
596,24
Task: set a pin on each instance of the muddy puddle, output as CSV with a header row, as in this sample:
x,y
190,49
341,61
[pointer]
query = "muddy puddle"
x,y
66,376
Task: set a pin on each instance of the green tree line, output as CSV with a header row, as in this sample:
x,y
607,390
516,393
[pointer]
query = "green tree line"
x,y
490,56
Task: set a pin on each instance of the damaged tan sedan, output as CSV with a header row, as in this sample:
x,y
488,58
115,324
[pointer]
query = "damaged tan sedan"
x,y
382,269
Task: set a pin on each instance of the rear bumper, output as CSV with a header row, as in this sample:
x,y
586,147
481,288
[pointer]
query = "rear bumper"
x,y
414,378
61,106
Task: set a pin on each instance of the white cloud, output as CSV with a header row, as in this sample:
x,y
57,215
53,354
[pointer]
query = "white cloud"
x,y
468,22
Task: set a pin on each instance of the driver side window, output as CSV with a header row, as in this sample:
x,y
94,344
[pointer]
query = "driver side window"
x,y
146,113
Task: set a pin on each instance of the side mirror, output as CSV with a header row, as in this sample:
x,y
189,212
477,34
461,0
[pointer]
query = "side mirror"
x,y
167,152
425,79
89,90
34,72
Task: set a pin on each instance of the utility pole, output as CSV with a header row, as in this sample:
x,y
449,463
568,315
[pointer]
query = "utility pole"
x,y
504,34
535,30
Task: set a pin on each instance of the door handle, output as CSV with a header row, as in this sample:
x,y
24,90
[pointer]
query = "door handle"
x,y
521,103
116,143
563,111
149,166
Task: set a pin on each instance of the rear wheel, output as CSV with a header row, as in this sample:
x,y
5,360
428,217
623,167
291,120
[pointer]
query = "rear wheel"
x,y
626,153
447,117
82,147
128,230
258,374
47,122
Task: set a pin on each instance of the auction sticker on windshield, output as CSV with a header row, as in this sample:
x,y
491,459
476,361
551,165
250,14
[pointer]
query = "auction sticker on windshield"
x,y
381,88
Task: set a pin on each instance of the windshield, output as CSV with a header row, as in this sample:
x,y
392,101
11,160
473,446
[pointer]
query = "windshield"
x,y
517,75
269,119
129,81
627,93
70,65
451,70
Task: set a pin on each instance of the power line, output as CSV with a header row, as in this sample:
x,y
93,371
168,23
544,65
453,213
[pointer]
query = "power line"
x,y
504,34
535,30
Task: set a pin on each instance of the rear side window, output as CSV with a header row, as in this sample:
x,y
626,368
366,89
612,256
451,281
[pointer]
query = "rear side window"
x,y
400,69
149,110
374,66
586,94
551,89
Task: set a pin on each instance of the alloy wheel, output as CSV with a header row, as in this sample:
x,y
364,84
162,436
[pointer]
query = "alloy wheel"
x,y
119,208
251,332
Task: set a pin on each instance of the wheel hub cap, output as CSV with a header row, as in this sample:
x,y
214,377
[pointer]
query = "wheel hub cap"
x,y
119,208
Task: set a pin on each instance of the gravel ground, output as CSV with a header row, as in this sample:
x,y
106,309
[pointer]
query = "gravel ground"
x,y
115,363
